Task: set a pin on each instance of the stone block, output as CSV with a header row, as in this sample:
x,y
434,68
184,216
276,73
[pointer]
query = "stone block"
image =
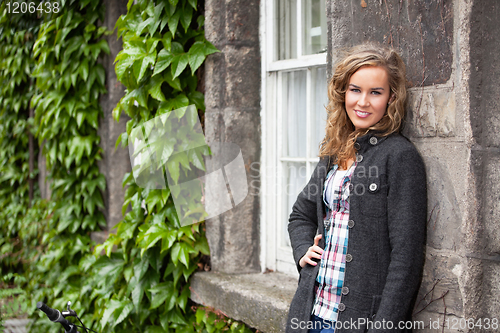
x,y
484,72
491,281
491,203
421,30
440,291
242,77
242,21
259,300
215,74
446,191
215,22
431,112
232,78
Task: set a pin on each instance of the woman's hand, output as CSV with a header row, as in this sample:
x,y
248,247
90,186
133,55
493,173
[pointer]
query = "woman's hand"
x,y
313,252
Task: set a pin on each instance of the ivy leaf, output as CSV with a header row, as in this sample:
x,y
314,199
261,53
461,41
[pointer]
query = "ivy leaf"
x,y
147,62
173,168
157,11
193,3
156,92
173,20
140,95
179,63
196,56
210,48
84,69
144,24
174,83
198,99
103,45
125,311
160,293
176,48
186,17
164,60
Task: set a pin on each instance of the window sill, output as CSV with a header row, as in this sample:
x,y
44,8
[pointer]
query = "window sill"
x,y
259,300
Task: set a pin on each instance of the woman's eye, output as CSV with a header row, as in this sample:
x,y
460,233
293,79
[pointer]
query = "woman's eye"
x,y
376,92
354,90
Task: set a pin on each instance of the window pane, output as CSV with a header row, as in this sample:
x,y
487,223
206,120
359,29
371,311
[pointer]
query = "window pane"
x,y
314,26
286,29
294,113
295,180
318,112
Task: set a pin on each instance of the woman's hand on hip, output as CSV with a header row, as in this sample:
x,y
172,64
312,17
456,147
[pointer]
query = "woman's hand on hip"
x,y
313,252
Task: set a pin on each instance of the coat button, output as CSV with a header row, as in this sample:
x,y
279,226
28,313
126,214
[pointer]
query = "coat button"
x,y
341,307
345,290
348,257
350,224
357,146
359,158
351,187
373,141
373,187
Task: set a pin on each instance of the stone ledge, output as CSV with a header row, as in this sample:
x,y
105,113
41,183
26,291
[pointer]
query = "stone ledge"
x,y
15,325
259,300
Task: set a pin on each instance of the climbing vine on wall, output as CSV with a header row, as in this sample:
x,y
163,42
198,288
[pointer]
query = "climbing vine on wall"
x,y
17,35
149,269
138,280
69,81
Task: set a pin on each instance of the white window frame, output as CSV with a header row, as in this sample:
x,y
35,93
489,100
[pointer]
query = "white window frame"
x,y
274,256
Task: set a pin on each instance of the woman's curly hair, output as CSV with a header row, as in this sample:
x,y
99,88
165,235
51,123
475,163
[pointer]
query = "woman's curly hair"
x,y
340,132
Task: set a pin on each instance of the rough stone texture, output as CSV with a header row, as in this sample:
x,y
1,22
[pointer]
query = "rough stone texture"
x,y
431,112
491,204
115,162
421,29
260,300
446,192
437,281
43,182
232,93
483,250
237,228
15,325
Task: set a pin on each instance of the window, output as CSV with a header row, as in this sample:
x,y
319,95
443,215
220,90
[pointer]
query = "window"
x,y
294,98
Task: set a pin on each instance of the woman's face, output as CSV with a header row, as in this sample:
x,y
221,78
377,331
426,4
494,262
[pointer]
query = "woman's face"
x,y
367,96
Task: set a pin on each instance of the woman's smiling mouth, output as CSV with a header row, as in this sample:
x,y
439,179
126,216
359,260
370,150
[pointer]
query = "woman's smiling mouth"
x,y
362,114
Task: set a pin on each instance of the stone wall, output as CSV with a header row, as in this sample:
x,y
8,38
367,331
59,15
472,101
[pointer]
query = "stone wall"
x,y
452,52
482,246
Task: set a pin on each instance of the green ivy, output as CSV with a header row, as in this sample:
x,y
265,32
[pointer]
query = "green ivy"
x,y
138,280
17,36
69,81
144,275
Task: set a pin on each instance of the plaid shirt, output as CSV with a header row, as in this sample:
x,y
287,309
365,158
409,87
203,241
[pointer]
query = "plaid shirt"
x,y
331,272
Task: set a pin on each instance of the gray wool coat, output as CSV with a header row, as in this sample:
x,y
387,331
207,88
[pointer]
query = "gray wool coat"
x,y
387,224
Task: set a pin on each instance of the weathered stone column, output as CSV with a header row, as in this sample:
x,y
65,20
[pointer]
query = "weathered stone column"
x,y
482,286
232,97
115,162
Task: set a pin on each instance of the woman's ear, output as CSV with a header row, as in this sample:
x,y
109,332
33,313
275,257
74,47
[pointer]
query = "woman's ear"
x,y
391,99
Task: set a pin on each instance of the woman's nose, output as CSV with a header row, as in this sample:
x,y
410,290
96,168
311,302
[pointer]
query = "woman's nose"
x,y
363,100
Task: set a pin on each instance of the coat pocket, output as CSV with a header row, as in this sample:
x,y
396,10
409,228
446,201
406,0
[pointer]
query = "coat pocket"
x,y
372,193
375,305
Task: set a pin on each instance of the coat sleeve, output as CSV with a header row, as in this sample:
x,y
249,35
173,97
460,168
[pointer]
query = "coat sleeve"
x,y
407,215
303,221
